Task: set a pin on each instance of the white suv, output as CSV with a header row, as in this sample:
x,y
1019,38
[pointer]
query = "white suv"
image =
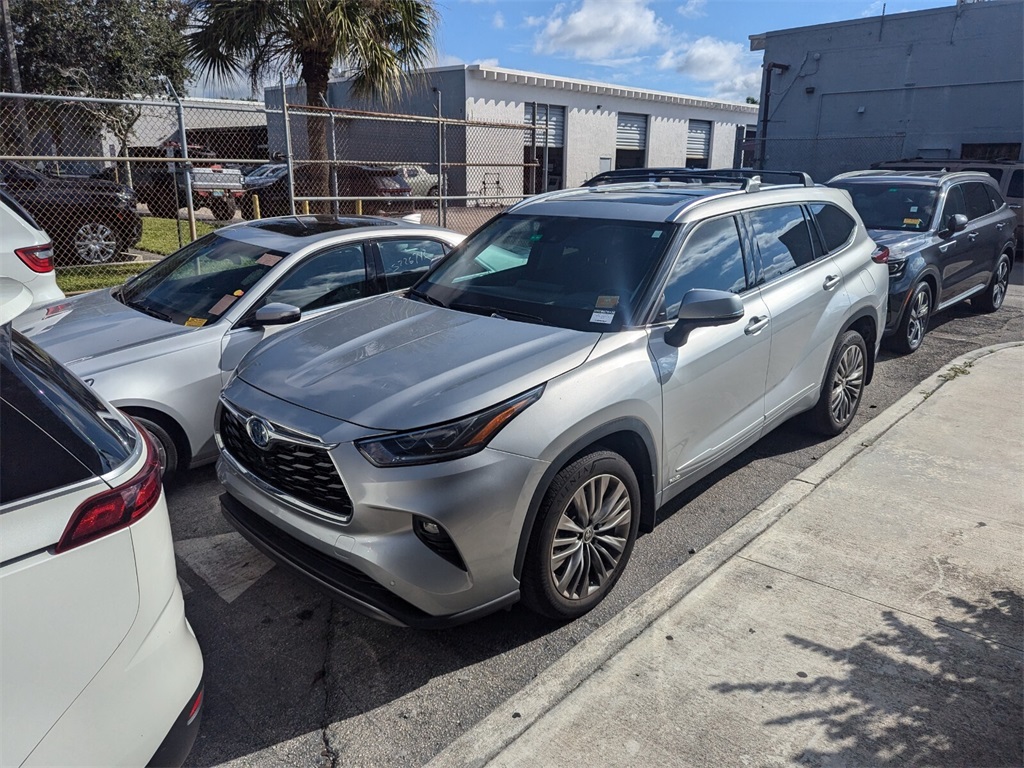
x,y
503,429
26,253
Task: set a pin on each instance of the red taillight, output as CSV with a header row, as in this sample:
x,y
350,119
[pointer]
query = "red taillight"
x,y
195,708
881,255
117,508
38,258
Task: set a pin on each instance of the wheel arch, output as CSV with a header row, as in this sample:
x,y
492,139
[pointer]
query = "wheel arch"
x,y
865,324
170,424
631,439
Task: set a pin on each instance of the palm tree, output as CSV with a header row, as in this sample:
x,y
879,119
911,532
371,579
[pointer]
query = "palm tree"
x,y
379,41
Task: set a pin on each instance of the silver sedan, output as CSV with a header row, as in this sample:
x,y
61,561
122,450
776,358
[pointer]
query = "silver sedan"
x,y
161,346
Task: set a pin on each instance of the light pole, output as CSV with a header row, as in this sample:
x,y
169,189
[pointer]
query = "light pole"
x,y
184,156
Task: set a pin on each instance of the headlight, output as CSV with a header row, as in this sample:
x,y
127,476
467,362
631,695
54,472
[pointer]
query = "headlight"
x,y
444,442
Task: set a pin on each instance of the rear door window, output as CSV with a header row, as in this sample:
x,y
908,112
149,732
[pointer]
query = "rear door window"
x,y
835,225
783,240
63,432
1015,189
406,260
979,202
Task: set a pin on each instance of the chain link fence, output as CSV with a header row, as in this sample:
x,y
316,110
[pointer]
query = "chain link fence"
x,y
118,184
826,156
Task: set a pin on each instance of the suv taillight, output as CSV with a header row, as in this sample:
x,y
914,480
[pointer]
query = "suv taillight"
x,y
117,508
881,255
38,258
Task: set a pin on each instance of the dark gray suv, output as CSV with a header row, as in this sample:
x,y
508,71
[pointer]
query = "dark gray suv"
x,y
950,237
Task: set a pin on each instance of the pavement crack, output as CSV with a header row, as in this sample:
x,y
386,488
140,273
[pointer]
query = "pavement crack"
x,y
329,754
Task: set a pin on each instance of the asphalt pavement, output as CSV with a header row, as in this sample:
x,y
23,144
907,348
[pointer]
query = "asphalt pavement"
x,y
871,612
292,679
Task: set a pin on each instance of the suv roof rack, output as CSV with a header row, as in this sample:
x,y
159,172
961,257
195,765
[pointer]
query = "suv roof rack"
x,y
752,178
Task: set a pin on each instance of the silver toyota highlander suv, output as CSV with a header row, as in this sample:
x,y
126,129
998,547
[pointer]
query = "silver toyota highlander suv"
x,y
503,429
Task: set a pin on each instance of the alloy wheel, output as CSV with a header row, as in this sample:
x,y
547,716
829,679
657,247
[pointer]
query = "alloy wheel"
x,y
1000,283
590,538
918,321
847,384
95,243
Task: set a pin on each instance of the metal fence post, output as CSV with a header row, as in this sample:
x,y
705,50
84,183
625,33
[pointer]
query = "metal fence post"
x,y
441,207
288,146
184,158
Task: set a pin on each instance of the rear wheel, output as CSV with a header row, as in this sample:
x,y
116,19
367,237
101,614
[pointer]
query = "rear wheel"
x,y
583,536
991,299
843,386
95,242
912,328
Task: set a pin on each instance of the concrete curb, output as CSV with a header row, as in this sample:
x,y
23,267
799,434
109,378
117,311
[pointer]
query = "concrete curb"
x,y
484,741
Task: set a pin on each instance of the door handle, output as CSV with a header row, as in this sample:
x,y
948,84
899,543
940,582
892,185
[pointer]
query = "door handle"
x,y
1001,225
947,246
973,236
756,325
831,282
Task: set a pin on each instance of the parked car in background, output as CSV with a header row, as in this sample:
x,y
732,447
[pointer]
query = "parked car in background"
x,y
950,238
71,169
163,186
100,665
91,221
1007,174
502,429
161,346
270,183
26,253
422,183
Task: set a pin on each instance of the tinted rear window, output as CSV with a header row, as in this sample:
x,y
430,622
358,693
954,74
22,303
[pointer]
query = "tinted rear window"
x,y
69,433
836,227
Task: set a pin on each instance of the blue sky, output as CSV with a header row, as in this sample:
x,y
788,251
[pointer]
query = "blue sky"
x,y
694,47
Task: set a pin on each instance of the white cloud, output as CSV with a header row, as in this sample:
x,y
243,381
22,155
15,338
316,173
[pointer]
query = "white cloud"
x,y
498,22
602,29
693,9
734,73
533,21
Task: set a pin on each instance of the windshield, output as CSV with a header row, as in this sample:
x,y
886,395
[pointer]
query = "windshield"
x,y
908,207
579,273
197,284
271,171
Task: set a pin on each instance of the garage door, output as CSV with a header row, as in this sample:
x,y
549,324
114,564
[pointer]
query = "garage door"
x,y
554,117
631,132
698,140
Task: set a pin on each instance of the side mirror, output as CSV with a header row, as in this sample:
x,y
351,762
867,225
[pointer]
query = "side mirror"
x,y
703,307
955,223
275,314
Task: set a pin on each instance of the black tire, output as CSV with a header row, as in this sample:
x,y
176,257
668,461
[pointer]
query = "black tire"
x,y
432,193
991,299
223,208
247,207
843,386
914,325
93,241
566,577
165,446
163,207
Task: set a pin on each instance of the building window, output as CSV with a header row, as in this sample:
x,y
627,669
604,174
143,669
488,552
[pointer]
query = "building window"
x,y
544,148
631,141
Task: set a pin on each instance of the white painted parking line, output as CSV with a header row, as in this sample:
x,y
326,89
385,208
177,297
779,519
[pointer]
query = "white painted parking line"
x,y
227,563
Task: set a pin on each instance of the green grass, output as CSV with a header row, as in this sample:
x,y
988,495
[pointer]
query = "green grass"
x,y
78,279
161,236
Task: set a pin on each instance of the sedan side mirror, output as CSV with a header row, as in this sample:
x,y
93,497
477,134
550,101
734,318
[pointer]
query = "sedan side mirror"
x,y
955,223
703,307
275,314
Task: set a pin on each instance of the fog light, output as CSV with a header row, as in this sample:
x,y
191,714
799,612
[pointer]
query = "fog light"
x,y
436,538
431,528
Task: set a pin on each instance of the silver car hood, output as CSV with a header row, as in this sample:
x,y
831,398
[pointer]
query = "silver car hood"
x,y
395,364
91,325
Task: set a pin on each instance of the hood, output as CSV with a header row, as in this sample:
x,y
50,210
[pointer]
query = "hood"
x,y
91,325
395,364
900,244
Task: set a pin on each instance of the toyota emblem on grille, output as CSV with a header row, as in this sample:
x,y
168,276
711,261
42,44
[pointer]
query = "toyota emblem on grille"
x,y
259,431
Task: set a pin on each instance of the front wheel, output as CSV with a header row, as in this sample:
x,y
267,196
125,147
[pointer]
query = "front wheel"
x,y
912,328
843,387
95,242
583,536
991,299
166,448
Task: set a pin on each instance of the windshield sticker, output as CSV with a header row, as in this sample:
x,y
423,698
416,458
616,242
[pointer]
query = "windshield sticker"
x,y
913,209
195,322
607,302
912,222
602,316
239,293
222,305
268,259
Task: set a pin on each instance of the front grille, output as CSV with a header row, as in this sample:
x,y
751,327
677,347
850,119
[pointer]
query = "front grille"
x,y
302,471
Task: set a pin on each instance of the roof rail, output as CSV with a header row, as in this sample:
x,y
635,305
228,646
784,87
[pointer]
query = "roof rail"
x,y
701,176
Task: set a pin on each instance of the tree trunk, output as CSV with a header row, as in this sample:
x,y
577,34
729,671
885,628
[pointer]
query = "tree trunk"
x,y
315,174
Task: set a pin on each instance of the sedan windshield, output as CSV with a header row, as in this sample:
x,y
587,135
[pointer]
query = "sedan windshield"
x,y
197,284
906,207
579,273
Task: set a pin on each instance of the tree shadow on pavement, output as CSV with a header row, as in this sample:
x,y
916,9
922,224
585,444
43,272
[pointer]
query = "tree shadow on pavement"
x,y
913,693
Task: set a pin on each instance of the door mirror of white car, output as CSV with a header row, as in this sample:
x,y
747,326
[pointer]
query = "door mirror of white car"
x,y
703,307
275,314
955,223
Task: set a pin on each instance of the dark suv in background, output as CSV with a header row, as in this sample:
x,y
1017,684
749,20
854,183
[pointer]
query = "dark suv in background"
x,y
91,221
950,237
